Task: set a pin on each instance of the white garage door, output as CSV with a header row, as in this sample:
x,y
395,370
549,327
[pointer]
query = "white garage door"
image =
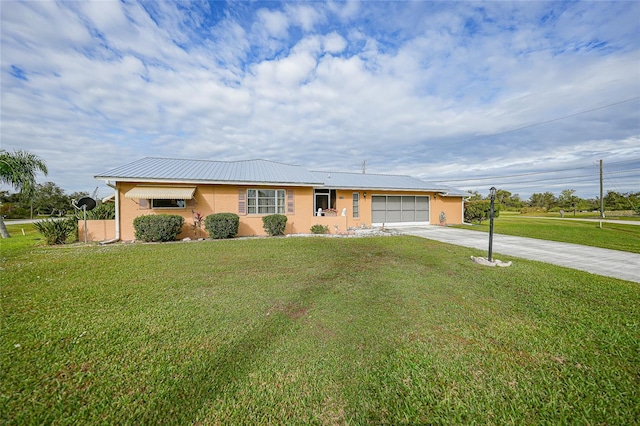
x,y
399,209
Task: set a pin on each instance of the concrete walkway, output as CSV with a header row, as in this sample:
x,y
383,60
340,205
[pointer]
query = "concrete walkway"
x,y
610,263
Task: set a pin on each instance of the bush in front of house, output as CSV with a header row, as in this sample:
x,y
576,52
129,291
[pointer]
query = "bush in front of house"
x,y
274,224
222,225
479,210
319,229
58,231
160,227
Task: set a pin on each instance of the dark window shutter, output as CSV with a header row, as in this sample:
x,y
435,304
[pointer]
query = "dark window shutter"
x,y
191,203
242,202
290,203
143,204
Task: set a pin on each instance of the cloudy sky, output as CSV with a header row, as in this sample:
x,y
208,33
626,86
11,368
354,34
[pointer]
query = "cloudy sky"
x,y
526,96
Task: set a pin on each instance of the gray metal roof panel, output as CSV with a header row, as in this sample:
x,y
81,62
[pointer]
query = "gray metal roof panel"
x,y
261,172
375,181
258,171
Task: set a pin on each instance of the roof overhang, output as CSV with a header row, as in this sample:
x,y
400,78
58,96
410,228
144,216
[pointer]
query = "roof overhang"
x,y
161,192
109,199
203,182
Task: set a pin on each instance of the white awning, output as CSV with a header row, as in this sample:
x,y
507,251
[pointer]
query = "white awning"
x,y
161,192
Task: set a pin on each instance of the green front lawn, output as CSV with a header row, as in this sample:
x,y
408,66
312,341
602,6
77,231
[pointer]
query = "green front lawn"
x,y
395,330
613,236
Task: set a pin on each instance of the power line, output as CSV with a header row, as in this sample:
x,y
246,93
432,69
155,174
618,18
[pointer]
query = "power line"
x,y
532,173
509,176
565,178
562,181
553,120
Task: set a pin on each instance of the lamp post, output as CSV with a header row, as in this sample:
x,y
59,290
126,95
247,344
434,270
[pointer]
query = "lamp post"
x,y
492,194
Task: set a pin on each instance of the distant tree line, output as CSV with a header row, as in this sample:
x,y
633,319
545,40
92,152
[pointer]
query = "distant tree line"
x,y
46,199
566,200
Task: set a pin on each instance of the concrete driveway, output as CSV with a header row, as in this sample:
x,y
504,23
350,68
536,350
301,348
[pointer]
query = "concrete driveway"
x,y
610,263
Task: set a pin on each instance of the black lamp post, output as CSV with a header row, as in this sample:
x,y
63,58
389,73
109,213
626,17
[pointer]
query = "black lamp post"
x,y
492,193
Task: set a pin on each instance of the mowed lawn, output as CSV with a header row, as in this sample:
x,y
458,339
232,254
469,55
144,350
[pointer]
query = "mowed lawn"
x,y
377,330
614,236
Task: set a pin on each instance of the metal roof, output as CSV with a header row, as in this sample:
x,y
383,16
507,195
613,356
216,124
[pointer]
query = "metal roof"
x,y
341,180
169,170
152,169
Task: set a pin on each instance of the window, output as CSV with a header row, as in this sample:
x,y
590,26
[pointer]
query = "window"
x,y
324,199
356,205
266,201
168,204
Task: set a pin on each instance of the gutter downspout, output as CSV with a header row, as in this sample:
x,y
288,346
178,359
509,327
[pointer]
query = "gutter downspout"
x,y
117,238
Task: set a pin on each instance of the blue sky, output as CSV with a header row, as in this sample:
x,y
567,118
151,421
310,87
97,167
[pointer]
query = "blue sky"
x,y
526,96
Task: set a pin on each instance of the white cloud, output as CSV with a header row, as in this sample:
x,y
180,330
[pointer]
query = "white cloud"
x,y
274,22
305,16
334,43
407,86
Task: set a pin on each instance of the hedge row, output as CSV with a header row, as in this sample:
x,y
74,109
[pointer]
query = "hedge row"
x,y
165,227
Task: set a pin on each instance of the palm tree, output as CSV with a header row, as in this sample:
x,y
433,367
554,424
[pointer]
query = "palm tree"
x,y
18,169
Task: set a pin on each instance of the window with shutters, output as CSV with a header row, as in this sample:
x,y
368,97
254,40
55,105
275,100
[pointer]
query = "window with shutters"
x,y
266,201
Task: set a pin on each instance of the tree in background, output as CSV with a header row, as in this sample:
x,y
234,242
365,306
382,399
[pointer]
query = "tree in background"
x,y
18,169
626,201
544,201
567,200
508,200
479,210
50,199
12,206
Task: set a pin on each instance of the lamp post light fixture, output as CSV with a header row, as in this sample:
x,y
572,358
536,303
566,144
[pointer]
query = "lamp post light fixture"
x,y
492,194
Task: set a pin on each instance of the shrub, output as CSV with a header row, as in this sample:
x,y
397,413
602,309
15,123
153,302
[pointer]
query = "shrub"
x,y
161,227
11,211
274,224
222,225
479,211
101,212
319,229
58,231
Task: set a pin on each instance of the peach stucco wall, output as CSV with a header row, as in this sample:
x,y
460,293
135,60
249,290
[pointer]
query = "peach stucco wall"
x,y
97,230
211,199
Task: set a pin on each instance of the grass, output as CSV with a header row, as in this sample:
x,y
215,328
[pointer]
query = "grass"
x,y
613,236
609,214
380,330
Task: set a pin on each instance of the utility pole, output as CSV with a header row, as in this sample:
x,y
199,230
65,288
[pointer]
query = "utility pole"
x,y
601,194
364,166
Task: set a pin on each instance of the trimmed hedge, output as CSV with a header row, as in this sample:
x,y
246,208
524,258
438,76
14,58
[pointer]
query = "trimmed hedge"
x,y
222,225
160,227
274,224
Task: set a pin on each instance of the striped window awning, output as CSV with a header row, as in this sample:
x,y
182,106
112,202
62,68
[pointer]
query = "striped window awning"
x,y
161,193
